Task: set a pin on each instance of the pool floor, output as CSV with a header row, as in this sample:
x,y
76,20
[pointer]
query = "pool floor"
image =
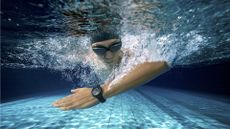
x,y
142,108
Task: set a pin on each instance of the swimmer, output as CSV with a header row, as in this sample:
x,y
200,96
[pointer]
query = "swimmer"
x,y
107,47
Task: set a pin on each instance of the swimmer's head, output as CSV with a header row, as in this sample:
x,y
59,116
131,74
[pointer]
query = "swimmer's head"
x,y
107,46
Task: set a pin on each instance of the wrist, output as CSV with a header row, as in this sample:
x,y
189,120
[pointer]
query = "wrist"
x,y
106,93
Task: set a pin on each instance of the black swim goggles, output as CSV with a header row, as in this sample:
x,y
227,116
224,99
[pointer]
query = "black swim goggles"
x,y
101,50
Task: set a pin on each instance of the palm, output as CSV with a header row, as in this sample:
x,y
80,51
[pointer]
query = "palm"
x,y
81,98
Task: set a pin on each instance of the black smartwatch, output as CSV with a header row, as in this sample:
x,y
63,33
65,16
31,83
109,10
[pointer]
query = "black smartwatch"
x,y
97,92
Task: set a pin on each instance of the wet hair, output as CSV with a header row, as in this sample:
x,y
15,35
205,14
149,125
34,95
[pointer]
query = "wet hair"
x,y
102,36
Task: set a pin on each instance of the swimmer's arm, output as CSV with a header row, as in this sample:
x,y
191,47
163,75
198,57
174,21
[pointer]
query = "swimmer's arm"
x,y
142,73
139,75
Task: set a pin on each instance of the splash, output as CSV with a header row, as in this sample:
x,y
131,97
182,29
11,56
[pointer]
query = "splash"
x,y
180,32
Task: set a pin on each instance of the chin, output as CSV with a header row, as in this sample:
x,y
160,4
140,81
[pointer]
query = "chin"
x,y
108,61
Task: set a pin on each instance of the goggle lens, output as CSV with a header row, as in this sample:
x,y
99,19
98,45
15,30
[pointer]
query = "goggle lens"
x,y
100,50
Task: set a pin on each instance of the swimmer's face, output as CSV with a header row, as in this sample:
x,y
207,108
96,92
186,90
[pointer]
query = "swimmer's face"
x,y
108,50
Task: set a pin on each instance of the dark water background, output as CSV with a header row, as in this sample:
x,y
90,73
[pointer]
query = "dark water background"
x,y
29,19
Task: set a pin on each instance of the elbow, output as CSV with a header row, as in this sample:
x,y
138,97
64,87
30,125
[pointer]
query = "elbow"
x,y
166,65
159,67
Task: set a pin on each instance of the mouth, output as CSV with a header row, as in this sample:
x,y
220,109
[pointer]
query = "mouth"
x,y
109,61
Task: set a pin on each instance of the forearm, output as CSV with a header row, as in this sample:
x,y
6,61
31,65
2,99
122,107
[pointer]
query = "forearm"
x,y
139,75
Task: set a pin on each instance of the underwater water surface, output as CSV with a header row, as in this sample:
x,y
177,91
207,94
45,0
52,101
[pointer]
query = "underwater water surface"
x,y
143,108
56,34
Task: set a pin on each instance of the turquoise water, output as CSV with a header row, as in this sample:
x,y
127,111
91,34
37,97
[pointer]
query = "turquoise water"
x,y
55,35
142,108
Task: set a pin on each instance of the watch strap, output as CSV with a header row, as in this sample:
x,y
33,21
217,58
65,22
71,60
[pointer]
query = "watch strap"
x,y
100,95
101,98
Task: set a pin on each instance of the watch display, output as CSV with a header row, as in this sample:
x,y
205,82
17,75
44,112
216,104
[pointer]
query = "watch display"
x,y
97,92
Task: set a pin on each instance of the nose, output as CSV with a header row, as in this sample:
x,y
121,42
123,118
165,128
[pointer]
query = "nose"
x,y
108,55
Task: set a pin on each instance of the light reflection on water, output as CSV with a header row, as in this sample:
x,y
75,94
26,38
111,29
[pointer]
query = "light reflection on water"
x,y
53,34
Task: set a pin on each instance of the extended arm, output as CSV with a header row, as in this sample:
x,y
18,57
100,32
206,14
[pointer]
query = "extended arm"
x,y
140,74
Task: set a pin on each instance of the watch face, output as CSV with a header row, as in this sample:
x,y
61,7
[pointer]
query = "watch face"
x,y
96,91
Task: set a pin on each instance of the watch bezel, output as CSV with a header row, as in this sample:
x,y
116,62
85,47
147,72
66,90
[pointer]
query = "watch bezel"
x,y
99,96
96,88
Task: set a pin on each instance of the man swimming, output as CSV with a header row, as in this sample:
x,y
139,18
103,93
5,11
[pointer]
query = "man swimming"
x,y
107,47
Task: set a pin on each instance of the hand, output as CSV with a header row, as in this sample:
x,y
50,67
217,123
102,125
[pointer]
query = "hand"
x,y
81,98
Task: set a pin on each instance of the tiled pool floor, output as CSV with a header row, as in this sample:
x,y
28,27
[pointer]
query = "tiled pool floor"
x,y
142,108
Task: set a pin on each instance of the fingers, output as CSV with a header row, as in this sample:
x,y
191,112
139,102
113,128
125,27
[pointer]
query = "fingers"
x,y
74,105
81,98
81,104
69,105
63,101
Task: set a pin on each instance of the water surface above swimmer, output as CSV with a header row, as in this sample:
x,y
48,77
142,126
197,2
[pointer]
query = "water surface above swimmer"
x,y
55,34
